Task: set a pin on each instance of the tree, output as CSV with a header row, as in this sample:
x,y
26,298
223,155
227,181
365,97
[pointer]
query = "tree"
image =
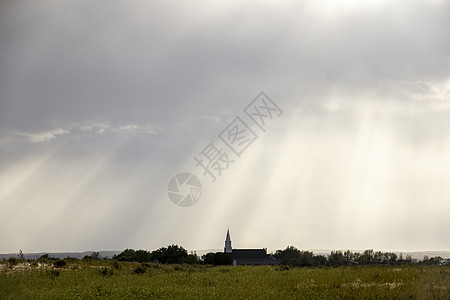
x,y
136,256
191,259
288,255
294,257
392,258
20,254
93,256
350,258
305,259
126,255
319,260
217,259
366,258
44,257
143,256
336,258
434,261
173,254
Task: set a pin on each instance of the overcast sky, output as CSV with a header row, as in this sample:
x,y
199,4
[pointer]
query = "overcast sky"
x,y
102,103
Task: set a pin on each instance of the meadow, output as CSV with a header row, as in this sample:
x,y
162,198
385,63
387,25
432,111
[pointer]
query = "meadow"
x,y
110,279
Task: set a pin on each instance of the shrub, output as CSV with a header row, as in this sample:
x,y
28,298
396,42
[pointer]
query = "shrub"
x,y
12,261
106,271
59,263
115,264
140,269
173,254
53,273
191,259
217,259
93,256
132,255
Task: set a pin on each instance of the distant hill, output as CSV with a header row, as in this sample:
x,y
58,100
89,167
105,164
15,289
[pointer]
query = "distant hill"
x,y
79,255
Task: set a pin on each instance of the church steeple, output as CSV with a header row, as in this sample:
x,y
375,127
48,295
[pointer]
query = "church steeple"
x,y
228,248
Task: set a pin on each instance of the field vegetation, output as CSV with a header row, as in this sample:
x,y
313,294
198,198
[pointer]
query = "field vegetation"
x,y
112,279
171,273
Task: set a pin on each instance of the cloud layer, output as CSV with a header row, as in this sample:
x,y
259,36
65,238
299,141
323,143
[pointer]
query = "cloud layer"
x,y
100,105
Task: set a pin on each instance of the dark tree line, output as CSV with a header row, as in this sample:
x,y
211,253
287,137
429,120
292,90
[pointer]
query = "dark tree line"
x,y
290,256
172,254
293,257
217,259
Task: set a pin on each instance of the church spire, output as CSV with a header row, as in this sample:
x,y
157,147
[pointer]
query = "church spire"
x,y
228,248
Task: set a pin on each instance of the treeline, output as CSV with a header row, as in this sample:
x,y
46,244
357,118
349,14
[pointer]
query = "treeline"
x,y
290,256
294,257
173,254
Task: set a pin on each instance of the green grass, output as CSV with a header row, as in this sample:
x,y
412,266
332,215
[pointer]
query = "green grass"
x,y
112,280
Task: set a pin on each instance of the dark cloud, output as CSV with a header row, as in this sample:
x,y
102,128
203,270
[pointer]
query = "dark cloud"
x,y
81,60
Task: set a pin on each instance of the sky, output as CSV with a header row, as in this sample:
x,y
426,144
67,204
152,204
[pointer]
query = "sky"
x,y
102,104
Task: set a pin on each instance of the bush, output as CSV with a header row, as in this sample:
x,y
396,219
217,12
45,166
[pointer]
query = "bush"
x,y
140,269
132,255
217,259
93,256
53,273
59,263
12,261
44,257
282,268
106,271
115,264
191,259
71,260
173,254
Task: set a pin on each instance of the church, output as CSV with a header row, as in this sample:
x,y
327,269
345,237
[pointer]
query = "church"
x,y
253,257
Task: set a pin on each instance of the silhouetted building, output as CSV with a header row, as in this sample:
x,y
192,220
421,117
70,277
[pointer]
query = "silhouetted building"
x,y
252,257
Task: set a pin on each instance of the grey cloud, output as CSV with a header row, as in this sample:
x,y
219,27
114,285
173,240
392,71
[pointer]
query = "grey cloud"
x,y
120,96
165,60
94,127
44,136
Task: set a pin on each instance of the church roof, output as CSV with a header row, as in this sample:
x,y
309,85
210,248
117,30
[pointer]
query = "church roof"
x,y
252,257
249,253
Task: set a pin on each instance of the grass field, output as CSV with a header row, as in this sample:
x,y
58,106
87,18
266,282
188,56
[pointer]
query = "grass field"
x,y
119,280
